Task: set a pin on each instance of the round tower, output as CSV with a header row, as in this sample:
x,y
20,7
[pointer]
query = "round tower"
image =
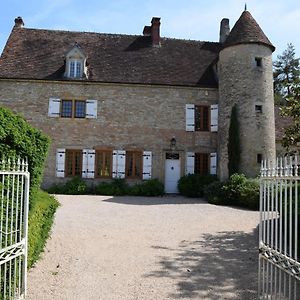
x,y
246,79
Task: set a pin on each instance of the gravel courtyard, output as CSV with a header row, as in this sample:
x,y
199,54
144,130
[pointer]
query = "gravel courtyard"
x,y
147,248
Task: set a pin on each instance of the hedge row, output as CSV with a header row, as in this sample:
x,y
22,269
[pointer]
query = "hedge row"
x,y
19,138
40,220
117,187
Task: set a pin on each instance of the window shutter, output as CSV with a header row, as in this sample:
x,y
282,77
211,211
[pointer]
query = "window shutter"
x,y
60,162
213,163
147,164
84,163
190,117
119,163
214,118
91,109
54,107
190,163
88,163
90,172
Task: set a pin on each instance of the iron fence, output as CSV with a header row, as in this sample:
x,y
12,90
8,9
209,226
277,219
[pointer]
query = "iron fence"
x,y
279,213
14,195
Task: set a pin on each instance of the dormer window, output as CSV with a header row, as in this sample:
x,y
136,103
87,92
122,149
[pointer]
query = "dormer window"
x,y
76,64
75,69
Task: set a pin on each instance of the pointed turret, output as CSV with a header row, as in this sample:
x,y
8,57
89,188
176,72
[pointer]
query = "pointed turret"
x,y
247,31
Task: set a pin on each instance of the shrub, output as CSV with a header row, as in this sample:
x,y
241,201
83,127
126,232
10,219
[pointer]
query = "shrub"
x,y
19,138
117,187
214,194
75,186
239,190
192,185
41,214
149,188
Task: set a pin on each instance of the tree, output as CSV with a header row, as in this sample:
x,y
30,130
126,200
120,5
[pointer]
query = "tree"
x,y
292,109
234,143
286,74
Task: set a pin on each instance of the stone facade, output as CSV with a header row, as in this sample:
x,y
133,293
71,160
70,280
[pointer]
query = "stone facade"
x,y
148,92
130,117
247,85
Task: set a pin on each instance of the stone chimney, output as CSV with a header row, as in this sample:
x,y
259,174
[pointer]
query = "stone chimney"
x,y
153,31
19,22
224,30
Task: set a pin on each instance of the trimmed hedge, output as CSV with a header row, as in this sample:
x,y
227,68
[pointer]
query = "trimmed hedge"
x,y
238,190
41,215
19,138
117,187
192,185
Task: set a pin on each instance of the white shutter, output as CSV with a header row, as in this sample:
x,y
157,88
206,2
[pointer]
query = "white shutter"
x,y
190,117
147,164
119,163
214,118
114,165
84,163
54,107
190,163
60,162
91,109
213,163
90,171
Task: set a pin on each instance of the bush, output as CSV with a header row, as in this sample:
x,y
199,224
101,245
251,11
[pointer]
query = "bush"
x,y
19,138
192,185
237,190
214,193
75,186
41,214
117,187
148,188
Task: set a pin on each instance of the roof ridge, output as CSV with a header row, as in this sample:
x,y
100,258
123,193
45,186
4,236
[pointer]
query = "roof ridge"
x,y
115,34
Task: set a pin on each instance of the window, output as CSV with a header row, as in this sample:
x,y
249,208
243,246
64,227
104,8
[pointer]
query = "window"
x,y
202,118
258,108
73,163
259,158
258,61
201,163
134,164
73,109
103,163
75,69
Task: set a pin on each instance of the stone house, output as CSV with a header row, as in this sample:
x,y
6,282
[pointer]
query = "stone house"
x,y
141,107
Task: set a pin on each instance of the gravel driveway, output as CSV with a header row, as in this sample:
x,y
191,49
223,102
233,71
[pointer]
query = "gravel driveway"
x,y
147,248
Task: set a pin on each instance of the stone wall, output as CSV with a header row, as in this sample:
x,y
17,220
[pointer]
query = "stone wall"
x,y
244,83
130,117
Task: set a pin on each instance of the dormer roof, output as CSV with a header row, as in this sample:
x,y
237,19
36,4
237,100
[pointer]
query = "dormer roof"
x,y
247,31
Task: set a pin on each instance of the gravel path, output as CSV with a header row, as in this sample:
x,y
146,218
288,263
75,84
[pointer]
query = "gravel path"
x,y
147,248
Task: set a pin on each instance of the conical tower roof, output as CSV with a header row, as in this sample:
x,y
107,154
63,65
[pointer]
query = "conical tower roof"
x,y
247,31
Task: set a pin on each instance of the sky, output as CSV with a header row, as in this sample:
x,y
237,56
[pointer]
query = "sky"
x,y
191,19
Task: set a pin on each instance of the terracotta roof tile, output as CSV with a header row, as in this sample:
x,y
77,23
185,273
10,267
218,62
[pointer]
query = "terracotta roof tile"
x,y
246,30
40,54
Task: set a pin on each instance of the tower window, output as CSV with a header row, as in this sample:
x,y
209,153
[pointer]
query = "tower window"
x,y
258,61
258,109
259,158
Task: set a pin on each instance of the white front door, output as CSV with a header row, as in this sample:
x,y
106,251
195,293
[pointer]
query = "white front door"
x,y
172,175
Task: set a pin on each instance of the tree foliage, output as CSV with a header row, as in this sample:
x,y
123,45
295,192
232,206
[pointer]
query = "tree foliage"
x,y
234,143
19,138
292,109
286,74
